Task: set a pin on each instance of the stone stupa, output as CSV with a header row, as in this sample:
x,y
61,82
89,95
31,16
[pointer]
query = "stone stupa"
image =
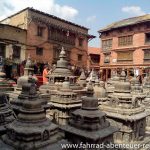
x,y
31,130
123,110
89,124
28,73
6,113
63,102
58,75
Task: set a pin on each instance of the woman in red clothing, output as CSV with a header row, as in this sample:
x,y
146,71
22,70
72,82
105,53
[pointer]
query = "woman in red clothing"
x,y
45,74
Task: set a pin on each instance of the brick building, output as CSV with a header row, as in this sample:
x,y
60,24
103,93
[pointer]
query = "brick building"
x,y
126,44
93,58
12,42
46,34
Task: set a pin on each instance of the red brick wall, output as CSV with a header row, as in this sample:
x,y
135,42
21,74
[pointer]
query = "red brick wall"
x,y
138,44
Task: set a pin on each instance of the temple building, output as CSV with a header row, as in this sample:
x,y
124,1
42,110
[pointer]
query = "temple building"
x,y
31,130
47,33
123,110
6,113
88,124
122,43
63,102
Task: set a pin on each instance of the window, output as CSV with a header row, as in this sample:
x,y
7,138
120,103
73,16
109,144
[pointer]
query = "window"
x,y
147,38
125,56
125,40
107,59
39,51
95,58
79,57
2,50
146,54
80,41
16,52
106,44
40,31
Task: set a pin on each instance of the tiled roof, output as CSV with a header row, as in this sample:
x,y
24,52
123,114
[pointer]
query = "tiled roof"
x,y
126,22
38,11
94,50
3,25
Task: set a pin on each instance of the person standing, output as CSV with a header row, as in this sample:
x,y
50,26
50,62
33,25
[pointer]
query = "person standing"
x,y
45,74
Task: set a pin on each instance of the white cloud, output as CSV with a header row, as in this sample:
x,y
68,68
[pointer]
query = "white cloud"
x,y
133,10
9,7
91,19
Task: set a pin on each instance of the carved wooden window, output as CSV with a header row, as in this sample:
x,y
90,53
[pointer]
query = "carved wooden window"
x,y
80,41
61,36
40,31
79,57
125,56
125,40
147,54
2,50
39,51
16,51
147,38
106,44
95,58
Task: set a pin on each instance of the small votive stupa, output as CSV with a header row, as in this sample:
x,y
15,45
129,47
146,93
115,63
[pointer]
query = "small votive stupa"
x,y
89,124
31,130
63,102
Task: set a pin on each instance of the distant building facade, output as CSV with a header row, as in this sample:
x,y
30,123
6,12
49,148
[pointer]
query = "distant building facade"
x,y
126,44
12,42
94,58
46,34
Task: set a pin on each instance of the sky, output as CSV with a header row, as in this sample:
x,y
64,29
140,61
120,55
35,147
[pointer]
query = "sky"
x,y
93,14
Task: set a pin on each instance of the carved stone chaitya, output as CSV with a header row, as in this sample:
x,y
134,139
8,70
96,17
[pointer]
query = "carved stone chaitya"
x,y
124,111
28,73
92,76
82,79
146,84
6,113
136,89
32,130
16,100
5,85
100,91
146,103
57,77
63,102
110,85
17,103
88,124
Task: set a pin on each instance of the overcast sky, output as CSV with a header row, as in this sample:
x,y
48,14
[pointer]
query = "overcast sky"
x,y
94,14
